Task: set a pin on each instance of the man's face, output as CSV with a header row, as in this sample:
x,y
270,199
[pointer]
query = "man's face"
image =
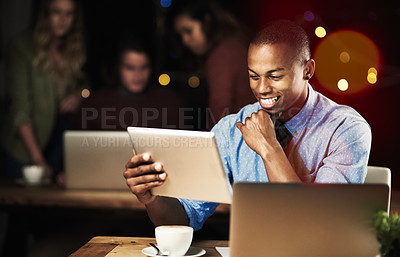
x,y
277,79
135,71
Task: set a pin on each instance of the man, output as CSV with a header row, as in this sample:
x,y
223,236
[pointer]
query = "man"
x,y
320,141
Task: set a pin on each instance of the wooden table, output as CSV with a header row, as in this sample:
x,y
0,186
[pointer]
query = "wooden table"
x,y
102,246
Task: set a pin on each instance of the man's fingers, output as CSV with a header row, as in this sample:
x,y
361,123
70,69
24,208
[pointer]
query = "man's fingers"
x,y
143,169
239,125
134,181
141,189
138,159
140,185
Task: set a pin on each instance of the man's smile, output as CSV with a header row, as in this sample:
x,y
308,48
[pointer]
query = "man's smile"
x,y
268,103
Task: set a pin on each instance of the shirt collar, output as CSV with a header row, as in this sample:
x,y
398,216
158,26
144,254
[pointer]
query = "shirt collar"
x,y
296,123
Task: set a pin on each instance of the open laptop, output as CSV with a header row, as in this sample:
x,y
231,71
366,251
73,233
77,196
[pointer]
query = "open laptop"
x,y
96,159
313,220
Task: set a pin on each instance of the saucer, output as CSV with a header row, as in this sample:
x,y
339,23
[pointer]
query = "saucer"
x,y
192,252
24,182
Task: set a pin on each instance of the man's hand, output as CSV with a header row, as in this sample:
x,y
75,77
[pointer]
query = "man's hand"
x,y
142,174
259,133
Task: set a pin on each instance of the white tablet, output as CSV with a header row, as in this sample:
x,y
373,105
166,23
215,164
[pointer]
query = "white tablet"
x,y
190,158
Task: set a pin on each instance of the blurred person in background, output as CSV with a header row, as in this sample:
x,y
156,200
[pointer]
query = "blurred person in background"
x,y
134,99
44,81
220,42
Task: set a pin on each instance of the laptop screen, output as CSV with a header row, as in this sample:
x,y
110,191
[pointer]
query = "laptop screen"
x,y
305,220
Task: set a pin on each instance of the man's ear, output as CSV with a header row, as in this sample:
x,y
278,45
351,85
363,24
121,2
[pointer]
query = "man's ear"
x,y
309,69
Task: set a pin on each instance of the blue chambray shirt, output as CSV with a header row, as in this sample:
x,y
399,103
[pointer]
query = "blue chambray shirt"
x,y
330,144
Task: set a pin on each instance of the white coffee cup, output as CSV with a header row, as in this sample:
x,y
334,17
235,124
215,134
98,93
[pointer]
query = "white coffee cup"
x,y
174,240
33,174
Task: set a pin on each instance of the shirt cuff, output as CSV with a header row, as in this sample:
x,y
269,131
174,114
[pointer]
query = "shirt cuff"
x,y
20,119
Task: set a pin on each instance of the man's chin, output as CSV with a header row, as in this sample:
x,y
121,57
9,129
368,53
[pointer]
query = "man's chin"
x,y
273,112
136,88
270,110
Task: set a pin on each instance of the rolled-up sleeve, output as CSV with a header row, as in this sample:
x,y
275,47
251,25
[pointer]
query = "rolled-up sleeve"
x,y
198,211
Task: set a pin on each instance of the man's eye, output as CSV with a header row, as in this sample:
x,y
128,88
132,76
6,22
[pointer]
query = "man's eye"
x,y
276,77
254,77
144,68
129,67
187,32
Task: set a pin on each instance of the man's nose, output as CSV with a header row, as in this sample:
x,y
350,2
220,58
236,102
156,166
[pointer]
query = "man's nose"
x,y
264,87
63,17
185,40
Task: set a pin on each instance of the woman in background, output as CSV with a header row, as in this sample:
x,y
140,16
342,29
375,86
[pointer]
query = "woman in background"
x,y
44,83
214,35
135,99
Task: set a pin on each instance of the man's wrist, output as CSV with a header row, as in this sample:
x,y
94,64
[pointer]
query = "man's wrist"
x,y
270,150
150,200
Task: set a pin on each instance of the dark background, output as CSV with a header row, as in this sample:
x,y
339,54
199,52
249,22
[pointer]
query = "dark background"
x,y
106,21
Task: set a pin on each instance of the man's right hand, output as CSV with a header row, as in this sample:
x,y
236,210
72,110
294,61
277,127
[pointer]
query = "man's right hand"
x,y
142,174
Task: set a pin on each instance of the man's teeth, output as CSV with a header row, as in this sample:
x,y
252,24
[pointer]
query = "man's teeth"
x,y
269,100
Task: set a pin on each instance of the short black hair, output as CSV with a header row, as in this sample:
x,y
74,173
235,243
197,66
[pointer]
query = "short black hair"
x,y
287,32
131,42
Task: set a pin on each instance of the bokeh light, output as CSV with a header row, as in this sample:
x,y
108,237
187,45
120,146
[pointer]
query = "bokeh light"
x,y
308,16
343,85
194,82
362,54
373,70
344,57
164,79
85,93
320,32
165,3
372,78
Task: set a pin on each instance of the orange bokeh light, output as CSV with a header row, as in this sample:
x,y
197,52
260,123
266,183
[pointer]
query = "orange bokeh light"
x,y
362,52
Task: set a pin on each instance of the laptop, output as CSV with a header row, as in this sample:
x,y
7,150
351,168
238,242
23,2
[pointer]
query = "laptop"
x,y
96,159
190,158
298,220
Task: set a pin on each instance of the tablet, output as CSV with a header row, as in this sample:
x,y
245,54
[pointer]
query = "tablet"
x,y
190,158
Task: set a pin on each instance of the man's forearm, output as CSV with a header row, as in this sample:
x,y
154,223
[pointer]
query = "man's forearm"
x,y
278,167
167,211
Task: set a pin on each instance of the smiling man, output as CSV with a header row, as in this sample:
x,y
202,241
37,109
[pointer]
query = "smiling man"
x,y
291,134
